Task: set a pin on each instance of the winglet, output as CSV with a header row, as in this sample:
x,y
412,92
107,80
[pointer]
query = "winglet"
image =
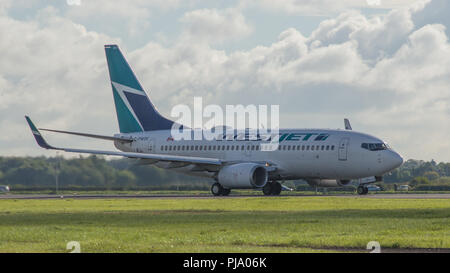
x,y
37,135
347,124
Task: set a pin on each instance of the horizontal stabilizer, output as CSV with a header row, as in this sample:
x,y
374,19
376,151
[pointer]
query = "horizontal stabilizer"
x,y
89,135
157,157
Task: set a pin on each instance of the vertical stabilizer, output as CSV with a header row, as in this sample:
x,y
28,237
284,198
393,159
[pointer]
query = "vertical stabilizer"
x,y
135,112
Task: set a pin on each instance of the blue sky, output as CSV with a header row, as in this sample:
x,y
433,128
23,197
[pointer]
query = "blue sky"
x,y
384,65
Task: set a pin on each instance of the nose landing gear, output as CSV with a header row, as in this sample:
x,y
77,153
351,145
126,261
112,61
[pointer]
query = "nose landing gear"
x,y
362,190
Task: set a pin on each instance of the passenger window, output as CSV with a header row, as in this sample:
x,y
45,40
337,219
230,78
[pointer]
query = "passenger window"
x,y
312,147
322,148
328,147
332,147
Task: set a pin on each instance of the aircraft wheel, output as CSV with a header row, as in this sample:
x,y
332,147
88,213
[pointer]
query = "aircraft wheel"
x,y
267,189
276,188
216,189
366,190
361,190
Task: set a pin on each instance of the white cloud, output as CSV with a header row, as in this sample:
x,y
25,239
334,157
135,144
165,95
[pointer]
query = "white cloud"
x,y
424,59
215,26
376,37
324,7
53,70
387,73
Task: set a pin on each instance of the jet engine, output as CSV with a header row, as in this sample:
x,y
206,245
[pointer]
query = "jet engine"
x,y
243,175
327,182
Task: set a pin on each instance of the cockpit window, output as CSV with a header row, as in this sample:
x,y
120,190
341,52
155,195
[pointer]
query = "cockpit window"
x,y
374,146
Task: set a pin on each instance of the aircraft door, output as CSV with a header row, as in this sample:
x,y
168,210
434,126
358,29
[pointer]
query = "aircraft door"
x,y
343,149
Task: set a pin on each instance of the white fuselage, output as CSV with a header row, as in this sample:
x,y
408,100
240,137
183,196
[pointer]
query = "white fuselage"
x,y
302,153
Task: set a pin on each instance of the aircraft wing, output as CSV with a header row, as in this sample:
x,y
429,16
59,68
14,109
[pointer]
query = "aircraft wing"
x,y
151,158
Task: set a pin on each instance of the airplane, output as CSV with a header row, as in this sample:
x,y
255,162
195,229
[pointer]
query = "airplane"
x,y
322,157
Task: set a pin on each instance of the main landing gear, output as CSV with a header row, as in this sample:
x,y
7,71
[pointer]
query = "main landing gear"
x,y
362,190
218,190
272,188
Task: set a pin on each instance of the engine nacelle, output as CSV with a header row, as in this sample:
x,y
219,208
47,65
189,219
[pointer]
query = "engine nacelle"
x,y
243,175
327,182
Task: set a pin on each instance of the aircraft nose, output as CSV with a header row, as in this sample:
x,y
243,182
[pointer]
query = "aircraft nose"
x,y
397,159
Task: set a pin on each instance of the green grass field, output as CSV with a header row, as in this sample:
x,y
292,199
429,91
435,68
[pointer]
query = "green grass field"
x,y
257,224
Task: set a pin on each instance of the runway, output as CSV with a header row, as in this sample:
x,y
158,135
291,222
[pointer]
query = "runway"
x,y
205,196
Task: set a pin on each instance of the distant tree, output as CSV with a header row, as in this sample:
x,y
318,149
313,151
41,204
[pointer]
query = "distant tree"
x,y
419,181
125,178
444,169
444,180
96,171
431,175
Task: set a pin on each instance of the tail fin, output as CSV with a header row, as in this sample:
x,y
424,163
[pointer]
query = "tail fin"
x,y
135,112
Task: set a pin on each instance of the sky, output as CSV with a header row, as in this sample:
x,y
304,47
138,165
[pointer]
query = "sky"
x,y
385,65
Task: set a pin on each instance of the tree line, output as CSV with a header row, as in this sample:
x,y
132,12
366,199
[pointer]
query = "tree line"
x,y
96,171
93,171
419,172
